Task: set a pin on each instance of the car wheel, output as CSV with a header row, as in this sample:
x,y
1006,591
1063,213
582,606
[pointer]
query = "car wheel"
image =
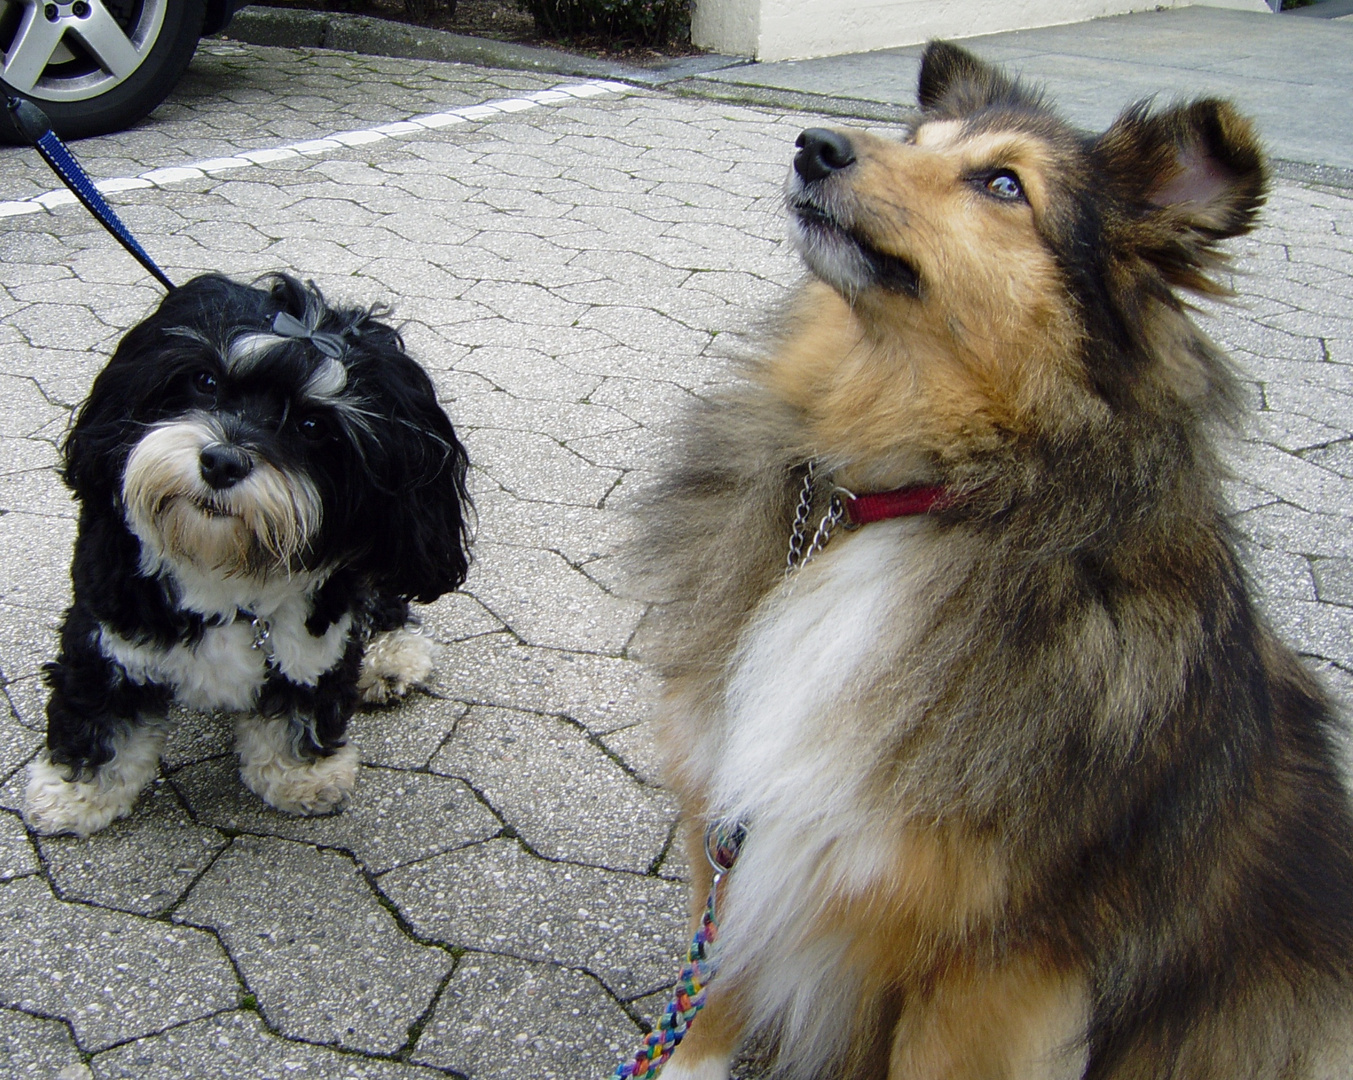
x,y
95,66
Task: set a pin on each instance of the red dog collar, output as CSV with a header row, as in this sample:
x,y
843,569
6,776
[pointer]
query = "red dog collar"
x,y
900,502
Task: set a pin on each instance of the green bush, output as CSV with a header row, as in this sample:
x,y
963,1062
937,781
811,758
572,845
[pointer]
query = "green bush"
x,y
644,22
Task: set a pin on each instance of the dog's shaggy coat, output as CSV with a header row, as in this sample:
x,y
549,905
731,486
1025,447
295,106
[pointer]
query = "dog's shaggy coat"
x,y
1031,789
264,483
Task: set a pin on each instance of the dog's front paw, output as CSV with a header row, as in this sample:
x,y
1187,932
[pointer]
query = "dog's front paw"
x,y
54,805
282,780
394,662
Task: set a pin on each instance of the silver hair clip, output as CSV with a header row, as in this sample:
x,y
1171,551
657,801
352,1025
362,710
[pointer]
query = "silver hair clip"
x,y
329,344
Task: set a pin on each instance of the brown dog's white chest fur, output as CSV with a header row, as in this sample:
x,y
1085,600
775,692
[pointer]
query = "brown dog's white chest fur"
x,y
1031,790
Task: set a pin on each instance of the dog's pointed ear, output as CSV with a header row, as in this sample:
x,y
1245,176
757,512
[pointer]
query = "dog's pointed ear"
x,y
955,82
1191,176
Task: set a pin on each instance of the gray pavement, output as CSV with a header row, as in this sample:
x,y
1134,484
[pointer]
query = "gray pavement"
x,y
502,898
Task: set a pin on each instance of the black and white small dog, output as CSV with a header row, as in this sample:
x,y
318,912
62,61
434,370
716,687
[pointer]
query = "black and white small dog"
x,y
265,482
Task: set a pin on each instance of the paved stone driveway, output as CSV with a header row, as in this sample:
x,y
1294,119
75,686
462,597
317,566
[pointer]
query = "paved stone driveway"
x,y
502,898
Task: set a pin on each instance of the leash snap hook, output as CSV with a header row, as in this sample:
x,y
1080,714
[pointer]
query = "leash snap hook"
x,y
723,842
843,500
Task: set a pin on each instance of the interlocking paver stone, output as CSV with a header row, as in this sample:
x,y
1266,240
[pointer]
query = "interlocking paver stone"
x,y
326,961
624,928
572,269
34,1048
16,854
500,1019
143,864
238,1045
111,976
548,601
564,796
395,815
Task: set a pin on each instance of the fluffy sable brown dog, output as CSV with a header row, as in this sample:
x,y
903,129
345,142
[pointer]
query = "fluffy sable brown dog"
x,y
1030,788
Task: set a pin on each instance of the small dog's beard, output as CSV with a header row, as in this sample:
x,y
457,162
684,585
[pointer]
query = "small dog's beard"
x,y
255,527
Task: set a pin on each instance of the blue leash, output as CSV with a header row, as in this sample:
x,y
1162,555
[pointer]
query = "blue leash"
x,y
37,129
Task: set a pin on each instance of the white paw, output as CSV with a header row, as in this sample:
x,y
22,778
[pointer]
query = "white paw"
x,y
54,805
394,662
272,772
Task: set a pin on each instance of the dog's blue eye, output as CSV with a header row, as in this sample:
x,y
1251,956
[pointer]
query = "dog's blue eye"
x,y
1005,185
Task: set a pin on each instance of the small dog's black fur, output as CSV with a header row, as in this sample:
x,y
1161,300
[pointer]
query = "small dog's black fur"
x,y
311,463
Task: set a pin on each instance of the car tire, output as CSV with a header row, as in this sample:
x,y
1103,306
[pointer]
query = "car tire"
x,y
98,65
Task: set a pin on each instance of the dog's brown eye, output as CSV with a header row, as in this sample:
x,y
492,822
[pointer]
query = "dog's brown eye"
x,y
1005,185
204,382
313,428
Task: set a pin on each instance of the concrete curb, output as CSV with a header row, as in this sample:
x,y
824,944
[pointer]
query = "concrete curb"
x,y
290,28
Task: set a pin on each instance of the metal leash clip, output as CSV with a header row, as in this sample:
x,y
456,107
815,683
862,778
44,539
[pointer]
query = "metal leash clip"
x,y
723,842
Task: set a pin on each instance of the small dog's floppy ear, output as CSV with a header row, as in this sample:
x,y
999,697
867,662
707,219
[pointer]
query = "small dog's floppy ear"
x,y
955,82
419,522
434,556
1191,177
92,454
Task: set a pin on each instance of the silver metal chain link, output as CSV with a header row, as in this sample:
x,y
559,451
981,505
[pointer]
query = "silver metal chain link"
x,y
798,554
836,510
799,532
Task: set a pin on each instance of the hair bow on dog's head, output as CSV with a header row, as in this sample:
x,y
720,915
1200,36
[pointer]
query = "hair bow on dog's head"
x,y
286,325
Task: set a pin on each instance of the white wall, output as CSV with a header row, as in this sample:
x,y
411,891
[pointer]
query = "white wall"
x,y
797,29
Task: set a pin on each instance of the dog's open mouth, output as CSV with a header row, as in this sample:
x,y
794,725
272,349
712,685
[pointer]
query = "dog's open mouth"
x,y
845,259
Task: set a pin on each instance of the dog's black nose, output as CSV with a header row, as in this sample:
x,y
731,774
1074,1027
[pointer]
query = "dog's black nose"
x,y
821,153
224,466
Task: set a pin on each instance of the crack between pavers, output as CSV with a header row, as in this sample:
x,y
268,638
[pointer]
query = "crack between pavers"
x,y
621,763
507,626
250,995
446,739
167,914
544,713
625,653
590,461
38,1014
601,503
420,1023
90,1055
661,857
623,1003
580,567
7,777
59,894
401,922
541,713
53,402
526,846
1340,665
252,1006
504,833
168,772
1341,441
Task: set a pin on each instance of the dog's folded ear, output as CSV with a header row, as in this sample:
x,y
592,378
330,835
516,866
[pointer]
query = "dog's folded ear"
x,y
955,82
1189,177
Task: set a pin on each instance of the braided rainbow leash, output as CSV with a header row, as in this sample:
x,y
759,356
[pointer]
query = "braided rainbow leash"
x,y
722,843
